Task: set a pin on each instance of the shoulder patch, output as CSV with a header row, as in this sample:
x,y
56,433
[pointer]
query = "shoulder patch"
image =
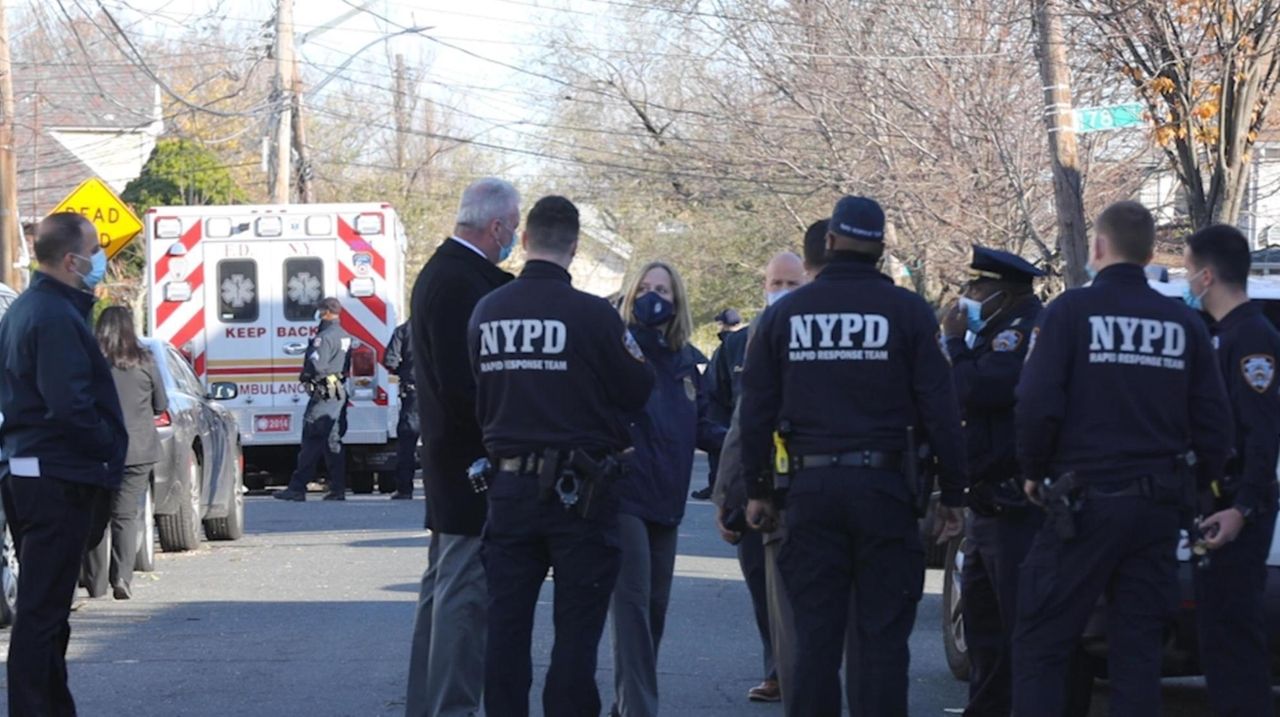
x,y
317,341
632,347
1007,340
1259,370
346,343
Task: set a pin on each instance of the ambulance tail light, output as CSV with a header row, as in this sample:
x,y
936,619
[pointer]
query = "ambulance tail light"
x,y
177,291
168,227
364,366
361,287
164,420
368,223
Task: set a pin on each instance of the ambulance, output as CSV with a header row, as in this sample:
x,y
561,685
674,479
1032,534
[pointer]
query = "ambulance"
x,y
236,288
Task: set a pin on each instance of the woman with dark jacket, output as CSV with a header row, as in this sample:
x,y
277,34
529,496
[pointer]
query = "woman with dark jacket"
x,y
652,497
111,556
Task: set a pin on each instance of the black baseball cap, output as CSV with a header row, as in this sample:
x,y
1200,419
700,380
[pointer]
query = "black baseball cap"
x,y
729,317
858,218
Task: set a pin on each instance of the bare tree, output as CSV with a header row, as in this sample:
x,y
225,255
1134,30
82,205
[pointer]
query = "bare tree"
x,y
1206,70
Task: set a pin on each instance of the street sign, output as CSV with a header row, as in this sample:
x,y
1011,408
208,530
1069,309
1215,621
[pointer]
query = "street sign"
x,y
116,223
1102,119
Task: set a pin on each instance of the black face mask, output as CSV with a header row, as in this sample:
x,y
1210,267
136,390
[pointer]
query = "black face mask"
x,y
652,310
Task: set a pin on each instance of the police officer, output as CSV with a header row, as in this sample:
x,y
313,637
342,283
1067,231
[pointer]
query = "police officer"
x,y
1241,509
1120,403
846,370
998,309
399,361
555,371
324,374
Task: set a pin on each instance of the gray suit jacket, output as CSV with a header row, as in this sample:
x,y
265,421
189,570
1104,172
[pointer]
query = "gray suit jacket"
x,y
142,398
730,490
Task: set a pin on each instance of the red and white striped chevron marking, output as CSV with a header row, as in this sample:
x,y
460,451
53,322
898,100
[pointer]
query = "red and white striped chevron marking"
x,y
368,319
181,322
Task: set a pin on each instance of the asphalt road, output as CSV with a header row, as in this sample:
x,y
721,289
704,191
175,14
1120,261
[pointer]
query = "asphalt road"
x,y
310,614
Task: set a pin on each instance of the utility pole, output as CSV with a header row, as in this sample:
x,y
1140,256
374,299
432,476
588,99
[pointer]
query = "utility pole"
x,y
280,162
1051,52
10,232
402,122
306,190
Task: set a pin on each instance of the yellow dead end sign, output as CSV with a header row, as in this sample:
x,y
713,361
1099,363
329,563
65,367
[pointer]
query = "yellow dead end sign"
x,y
117,225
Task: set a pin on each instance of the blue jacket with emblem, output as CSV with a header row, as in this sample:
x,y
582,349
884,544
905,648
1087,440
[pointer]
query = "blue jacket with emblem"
x,y
1119,380
986,375
59,400
672,425
1247,346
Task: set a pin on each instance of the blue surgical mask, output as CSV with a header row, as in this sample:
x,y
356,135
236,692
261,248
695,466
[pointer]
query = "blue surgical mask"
x,y
652,310
1090,272
772,297
973,312
504,252
1194,300
97,269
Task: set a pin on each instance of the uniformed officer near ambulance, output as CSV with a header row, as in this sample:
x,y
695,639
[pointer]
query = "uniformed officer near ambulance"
x,y
997,313
848,373
555,372
1120,408
1239,511
399,361
324,374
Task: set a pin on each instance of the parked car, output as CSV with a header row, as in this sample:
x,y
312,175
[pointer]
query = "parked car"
x,y
199,480
1181,657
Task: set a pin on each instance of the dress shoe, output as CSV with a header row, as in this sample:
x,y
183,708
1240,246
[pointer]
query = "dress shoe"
x,y
767,691
290,494
335,496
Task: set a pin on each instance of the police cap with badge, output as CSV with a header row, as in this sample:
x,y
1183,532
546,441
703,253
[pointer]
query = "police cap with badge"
x,y
995,265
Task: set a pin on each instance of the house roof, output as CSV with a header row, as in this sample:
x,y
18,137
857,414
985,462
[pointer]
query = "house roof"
x,y
104,100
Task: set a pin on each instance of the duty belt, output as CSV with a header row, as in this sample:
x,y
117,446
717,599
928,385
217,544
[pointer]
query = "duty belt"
x,y
888,460
1131,488
531,463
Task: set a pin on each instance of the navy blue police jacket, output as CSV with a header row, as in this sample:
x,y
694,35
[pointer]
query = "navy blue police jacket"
x,y
554,367
399,356
723,379
59,400
850,361
675,421
1118,382
986,375
1247,346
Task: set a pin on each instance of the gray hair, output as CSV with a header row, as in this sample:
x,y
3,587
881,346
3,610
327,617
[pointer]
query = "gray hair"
x,y
486,200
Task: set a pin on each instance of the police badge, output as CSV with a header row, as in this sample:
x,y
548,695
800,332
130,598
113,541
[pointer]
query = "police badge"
x,y
1258,371
1007,340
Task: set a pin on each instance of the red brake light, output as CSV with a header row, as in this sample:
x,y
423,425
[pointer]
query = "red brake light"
x,y
363,360
164,420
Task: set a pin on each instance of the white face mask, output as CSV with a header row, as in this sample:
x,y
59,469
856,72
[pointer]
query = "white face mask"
x,y
772,297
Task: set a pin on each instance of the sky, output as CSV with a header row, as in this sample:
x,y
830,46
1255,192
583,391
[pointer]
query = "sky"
x,y
467,59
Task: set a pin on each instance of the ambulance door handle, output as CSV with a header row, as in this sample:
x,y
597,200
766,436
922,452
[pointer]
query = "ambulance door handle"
x,y
295,349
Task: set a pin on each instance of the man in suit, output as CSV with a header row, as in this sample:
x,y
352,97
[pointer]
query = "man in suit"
x,y
446,670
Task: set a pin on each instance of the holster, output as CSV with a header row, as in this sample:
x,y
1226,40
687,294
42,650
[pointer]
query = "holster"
x,y
919,472
576,473
1061,501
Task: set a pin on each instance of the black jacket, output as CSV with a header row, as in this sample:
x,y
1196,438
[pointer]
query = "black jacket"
x,y
553,367
142,398
724,375
850,361
446,293
1118,381
399,356
986,375
56,392
1247,346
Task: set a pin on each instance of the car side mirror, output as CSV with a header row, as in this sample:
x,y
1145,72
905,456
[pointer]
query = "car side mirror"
x,y
223,391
